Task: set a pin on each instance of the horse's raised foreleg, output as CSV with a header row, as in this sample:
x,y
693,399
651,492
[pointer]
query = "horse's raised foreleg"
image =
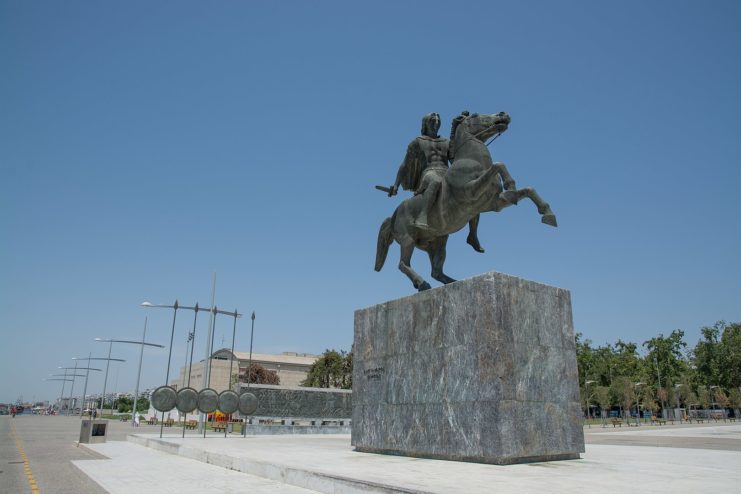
x,y
405,266
544,209
501,170
437,254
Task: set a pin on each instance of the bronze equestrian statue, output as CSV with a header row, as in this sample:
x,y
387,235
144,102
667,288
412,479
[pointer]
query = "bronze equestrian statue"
x,y
447,199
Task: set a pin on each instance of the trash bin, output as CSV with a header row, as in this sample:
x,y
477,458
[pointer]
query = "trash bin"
x,y
93,431
230,427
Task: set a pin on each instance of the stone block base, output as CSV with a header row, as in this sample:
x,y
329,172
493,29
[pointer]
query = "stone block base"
x,y
480,370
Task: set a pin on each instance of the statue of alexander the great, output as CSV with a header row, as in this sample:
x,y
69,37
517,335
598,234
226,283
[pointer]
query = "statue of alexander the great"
x,y
423,169
448,198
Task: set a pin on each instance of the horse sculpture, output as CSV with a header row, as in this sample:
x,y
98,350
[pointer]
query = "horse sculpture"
x,y
473,184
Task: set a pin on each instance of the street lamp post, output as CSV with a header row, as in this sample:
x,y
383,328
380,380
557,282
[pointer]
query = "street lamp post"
x,y
65,378
175,308
72,388
105,380
87,375
142,344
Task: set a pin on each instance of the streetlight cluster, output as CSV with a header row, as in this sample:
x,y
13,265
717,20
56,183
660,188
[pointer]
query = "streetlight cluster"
x,y
71,377
165,397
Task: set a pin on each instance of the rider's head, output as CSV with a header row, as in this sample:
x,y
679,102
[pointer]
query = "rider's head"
x,y
431,124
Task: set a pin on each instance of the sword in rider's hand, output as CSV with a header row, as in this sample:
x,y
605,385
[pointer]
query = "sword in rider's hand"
x,y
384,189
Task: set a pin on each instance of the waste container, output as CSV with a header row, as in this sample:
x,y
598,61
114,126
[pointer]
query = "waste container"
x,y
93,431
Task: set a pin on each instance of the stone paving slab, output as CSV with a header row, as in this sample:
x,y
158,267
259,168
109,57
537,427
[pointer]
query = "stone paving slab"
x,y
329,464
132,468
720,432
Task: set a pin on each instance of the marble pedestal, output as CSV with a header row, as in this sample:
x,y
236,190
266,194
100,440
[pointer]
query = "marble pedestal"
x,y
480,370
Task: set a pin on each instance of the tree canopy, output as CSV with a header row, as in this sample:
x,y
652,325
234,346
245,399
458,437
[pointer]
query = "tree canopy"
x,y
332,370
670,372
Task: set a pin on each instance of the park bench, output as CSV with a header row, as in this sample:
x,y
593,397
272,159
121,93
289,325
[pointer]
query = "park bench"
x,y
659,420
123,418
152,421
219,427
168,422
616,421
191,424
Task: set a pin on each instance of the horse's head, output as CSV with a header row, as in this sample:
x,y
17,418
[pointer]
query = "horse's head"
x,y
480,125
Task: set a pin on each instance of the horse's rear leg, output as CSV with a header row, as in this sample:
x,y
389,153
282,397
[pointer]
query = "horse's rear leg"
x,y
437,254
405,266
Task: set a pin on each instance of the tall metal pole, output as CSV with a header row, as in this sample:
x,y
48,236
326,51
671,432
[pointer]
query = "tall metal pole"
x,y
249,370
169,358
61,395
105,379
185,364
139,374
231,361
72,390
192,343
211,351
252,333
206,377
84,391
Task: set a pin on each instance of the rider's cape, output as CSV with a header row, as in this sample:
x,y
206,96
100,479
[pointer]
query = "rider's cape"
x,y
411,169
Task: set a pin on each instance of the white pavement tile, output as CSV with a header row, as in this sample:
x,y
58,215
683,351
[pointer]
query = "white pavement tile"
x,y
133,468
603,468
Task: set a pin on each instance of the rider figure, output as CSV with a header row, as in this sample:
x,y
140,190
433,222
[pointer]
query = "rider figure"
x,y
423,169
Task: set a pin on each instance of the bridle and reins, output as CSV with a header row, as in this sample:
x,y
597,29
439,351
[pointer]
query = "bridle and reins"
x,y
476,135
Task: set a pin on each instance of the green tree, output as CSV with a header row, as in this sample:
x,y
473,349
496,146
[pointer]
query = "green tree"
x,y
602,398
332,370
125,404
730,356
603,365
707,355
627,362
734,398
703,396
665,358
584,359
623,390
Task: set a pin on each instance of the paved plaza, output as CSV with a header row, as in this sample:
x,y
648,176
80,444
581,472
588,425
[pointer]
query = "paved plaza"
x,y
672,458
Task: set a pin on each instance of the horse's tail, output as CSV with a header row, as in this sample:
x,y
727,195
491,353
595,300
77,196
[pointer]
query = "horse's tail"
x,y
385,237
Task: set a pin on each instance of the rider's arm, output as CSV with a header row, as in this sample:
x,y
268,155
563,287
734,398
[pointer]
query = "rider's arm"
x,y
401,175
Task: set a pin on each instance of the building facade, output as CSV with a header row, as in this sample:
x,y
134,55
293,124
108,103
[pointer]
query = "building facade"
x,y
292,368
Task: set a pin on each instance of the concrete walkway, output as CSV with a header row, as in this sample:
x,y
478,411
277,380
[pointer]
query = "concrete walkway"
x,y
328,464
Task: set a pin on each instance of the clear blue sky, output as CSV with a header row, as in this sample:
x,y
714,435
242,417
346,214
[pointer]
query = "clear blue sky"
x,y
145,145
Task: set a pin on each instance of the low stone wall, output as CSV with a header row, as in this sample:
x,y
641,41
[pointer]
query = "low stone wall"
x,y
301,403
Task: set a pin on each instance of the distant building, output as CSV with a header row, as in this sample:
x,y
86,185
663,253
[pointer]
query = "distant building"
x,y
291,367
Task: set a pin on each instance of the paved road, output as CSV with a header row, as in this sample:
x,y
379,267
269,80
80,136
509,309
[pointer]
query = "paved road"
x,y
49,444
691,436
36,450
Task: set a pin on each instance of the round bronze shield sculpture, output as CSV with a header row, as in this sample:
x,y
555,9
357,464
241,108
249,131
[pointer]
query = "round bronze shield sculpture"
x,y
187,400
164,399
247,403
208,400
228,402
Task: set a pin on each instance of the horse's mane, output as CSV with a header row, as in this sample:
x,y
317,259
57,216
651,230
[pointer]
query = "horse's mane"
x,y
454,126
